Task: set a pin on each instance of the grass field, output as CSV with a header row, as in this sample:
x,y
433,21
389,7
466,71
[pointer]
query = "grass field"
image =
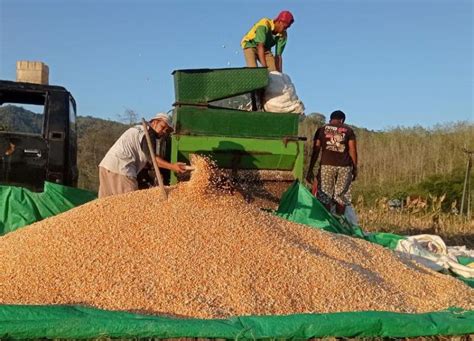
x,y
417,218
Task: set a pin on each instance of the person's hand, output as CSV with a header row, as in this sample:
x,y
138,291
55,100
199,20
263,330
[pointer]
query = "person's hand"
x,y
314,187
354,173
179,167
310,177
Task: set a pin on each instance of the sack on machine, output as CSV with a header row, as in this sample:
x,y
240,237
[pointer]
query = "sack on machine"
x,y
280,95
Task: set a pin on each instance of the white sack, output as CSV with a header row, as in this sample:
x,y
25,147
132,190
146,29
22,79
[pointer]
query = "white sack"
x,y
350,215
280,95
431,251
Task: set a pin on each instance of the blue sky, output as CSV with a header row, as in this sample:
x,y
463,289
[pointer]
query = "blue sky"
x,y
383,62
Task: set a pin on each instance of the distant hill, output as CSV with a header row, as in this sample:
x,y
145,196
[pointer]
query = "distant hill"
x,y
95,137
13,118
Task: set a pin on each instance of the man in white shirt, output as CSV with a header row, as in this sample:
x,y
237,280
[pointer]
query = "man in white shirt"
x,y
128,156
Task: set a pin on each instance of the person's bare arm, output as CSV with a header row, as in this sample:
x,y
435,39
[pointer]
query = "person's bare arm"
x,y
178,167
353,155
279,63
353,152
261,54
312,162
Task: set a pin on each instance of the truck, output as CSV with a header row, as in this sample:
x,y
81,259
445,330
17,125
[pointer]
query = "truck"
x,y
38,137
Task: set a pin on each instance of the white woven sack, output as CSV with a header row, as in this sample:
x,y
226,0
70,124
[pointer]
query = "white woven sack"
x,y
431,251
280,95
351,215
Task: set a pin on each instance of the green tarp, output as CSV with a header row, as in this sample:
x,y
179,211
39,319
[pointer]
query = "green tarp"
x,y
299,205
21,322
21,207
76,322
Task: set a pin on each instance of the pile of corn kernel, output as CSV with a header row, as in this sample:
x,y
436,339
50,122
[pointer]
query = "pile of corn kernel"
x,y
206,253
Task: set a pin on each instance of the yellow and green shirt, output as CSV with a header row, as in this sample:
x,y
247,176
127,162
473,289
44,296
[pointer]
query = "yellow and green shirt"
x,y
261,32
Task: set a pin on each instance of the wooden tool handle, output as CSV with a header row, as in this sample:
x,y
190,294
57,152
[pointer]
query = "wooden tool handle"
x,y
153,159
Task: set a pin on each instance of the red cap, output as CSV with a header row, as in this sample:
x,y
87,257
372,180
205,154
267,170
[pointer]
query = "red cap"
x,y
285,16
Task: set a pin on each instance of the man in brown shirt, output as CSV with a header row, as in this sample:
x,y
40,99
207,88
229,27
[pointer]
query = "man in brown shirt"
x,y
338,166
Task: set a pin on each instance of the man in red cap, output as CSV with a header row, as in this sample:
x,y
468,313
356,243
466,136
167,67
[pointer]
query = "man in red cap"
x,y
265,34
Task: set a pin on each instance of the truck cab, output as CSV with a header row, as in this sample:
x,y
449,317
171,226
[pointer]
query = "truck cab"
x,y
38,137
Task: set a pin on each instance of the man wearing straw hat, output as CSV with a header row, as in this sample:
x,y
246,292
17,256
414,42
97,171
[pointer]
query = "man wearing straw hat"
x,y
129,155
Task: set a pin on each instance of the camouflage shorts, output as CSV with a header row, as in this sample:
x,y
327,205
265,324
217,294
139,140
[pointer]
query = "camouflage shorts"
x,y
335,185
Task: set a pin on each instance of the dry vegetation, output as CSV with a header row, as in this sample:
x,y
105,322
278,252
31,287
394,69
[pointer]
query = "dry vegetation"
x,y
416,218
95,137
403,156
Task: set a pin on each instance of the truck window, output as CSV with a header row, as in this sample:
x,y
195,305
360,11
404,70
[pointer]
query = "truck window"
x,y
72,115
22,112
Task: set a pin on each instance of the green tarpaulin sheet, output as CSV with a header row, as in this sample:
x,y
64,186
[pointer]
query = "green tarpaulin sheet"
x,y
23,322
76,322
21,207
299,205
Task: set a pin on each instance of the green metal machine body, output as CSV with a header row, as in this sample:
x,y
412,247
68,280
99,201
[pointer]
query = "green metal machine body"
x,y
236,139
